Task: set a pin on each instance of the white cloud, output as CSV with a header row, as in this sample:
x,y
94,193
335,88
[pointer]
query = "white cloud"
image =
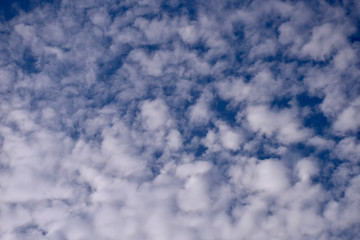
x,y
348,118
348,149
270,176
154,114
6,79
174,139
346,57
264,49
234,89
287,33
194,197
117,149
324,40
282,123
117,121
154,30
152,65
230,139
100,17
211,141
200,112
306,169
188,34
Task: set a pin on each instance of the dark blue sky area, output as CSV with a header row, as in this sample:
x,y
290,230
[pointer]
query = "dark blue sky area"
x,y
11,8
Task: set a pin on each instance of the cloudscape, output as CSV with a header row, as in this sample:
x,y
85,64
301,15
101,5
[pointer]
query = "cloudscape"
x,y
179,120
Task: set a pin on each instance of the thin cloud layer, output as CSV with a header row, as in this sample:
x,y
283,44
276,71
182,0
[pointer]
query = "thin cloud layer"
x,y
179,120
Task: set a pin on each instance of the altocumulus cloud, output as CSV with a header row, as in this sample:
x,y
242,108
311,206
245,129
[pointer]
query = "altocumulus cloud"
x,y
184,120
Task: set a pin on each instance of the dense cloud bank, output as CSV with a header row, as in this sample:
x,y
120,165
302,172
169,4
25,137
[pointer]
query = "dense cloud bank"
x,y
183,120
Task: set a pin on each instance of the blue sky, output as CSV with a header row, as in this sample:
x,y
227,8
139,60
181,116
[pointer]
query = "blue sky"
x,y
179,120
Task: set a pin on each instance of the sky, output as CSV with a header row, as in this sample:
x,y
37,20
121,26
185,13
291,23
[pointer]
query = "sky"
x,y
179,119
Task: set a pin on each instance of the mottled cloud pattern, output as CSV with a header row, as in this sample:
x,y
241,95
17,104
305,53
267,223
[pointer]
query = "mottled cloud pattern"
x,y
183,120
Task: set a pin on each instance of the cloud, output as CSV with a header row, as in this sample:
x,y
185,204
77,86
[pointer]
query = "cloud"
x,y
306,169
270,176
347,118
200,112
348,148
323,40
155,114
281,123
179,120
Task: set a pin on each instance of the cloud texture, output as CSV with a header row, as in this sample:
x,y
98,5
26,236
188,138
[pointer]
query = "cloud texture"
x,y
182,120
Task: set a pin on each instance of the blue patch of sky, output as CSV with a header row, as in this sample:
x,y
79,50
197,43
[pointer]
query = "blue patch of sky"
x,y
281,102
350,233
200,48
157,154
235,4
195,92
327,166
29,62
262,153
303,149
305,99
75,132
232,70
169,90
12,8
201,149
224,110
335,3
238,56
238,31
219,58
180,8
156,165
149,49
109,68
197,131
355,37
315,120
205,79
119,9
153,89
261,149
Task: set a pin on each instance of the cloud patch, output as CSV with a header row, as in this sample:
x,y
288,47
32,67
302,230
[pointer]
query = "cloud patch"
x,y
179,120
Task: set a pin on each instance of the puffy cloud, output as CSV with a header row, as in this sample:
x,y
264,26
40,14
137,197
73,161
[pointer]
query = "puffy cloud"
x,y
347,120
230,138
234,89
179,120
325,39
306,169
282,123
193,197
270,176
155,114
200,112
348,149
174,139
188,34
